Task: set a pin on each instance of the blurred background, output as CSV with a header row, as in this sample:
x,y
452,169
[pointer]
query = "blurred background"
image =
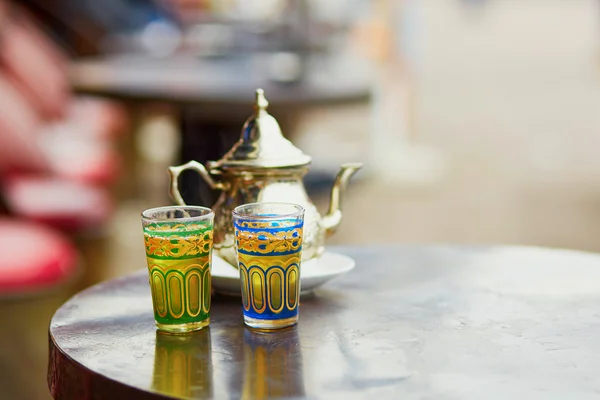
x,y
477,121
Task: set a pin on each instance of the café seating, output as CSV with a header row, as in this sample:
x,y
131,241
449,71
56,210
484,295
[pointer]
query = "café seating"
x,y
39,70
60,203
57,159
57,150
34,258
54,188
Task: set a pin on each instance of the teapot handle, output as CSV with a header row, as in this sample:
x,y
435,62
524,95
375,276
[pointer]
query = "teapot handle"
x,y
174,173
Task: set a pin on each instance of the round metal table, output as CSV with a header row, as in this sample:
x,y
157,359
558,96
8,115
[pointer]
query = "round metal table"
x,y
442,322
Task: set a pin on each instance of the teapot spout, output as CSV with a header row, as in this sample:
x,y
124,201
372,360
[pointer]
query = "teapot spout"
x,y
332,219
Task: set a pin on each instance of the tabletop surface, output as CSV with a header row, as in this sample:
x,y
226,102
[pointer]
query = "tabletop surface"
x,y
231,80
443,322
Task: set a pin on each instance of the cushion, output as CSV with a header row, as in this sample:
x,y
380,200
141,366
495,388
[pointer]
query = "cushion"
x,y
60,203
79,157
41,80
34,257
18,126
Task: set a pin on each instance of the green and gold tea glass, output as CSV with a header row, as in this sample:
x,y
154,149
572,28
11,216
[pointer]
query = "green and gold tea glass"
x,y
268,240
179,243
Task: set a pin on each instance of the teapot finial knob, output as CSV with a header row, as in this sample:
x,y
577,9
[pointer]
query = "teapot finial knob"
x,y
261,103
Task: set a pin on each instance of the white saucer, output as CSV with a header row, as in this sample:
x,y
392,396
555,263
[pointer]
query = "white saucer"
x,y
313,273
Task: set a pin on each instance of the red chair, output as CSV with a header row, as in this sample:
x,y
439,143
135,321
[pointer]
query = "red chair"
x,y
18,126
97,117
40,72
59,203
34,258
28,144
35,184
37,75
89,160
56,152
73,133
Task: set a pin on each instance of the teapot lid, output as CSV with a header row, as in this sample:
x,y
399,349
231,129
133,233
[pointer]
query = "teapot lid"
x,y
262,144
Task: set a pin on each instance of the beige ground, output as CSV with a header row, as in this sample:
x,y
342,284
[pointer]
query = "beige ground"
x,y
510,94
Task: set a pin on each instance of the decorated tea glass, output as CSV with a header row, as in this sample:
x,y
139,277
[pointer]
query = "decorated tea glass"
x,y
179,242
268,239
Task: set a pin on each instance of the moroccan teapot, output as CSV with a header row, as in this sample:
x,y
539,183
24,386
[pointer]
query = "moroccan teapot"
x,y
263,166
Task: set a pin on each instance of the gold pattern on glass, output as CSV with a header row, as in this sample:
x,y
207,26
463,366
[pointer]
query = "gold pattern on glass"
x,y
187,285
270,242
279,292
178,246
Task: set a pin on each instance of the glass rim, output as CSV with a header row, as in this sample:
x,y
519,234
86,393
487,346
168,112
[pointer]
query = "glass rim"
x,y
299,211
207,214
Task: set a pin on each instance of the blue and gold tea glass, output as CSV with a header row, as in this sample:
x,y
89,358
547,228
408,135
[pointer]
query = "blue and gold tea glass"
x,y
269,248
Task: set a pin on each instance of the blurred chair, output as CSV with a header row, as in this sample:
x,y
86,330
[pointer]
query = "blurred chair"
x,y
56,150
33,184
40,72
37,69
60,203
19,149
34,258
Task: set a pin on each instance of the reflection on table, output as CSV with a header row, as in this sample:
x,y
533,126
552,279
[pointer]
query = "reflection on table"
x,y
183,364
276,356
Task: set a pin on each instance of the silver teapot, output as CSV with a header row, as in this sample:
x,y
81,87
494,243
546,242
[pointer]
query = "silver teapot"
x,y
263,166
